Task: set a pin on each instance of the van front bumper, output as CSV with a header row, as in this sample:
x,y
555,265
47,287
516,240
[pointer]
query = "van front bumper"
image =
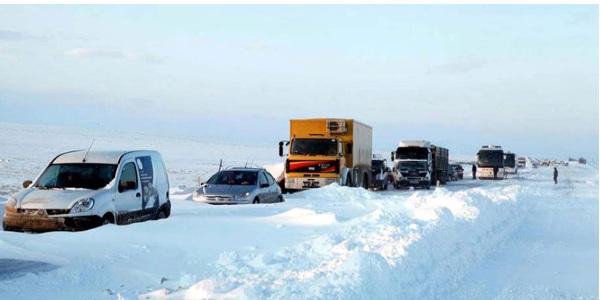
x,y
37,220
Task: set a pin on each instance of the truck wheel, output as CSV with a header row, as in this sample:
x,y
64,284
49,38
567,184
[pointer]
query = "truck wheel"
x,y
365,184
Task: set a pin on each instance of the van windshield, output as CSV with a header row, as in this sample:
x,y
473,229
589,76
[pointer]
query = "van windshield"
x,y
80,175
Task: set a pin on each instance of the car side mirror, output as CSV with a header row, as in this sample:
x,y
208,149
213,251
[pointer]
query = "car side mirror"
x,y
27,183
201,181
264,185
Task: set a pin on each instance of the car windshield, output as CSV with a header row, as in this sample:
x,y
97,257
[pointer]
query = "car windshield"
x,y
80,175
230,177
422,165
490,158
327,147
411,153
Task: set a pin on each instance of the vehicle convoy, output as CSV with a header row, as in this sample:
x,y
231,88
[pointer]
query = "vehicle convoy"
x,y
490,162
239,186
510,163
379,173
324,151
521,162
84,189
419,164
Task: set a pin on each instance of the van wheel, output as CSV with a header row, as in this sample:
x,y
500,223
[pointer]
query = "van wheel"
x,y
256,201
108,219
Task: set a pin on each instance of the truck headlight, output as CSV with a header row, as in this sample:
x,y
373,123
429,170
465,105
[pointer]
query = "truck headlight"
x,y
82,205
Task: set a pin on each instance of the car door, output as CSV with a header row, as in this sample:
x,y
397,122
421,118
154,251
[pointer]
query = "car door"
x,y
128,199
263,185
273,187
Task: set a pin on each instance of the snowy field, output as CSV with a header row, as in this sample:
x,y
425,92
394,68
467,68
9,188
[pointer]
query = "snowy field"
x,y
521,238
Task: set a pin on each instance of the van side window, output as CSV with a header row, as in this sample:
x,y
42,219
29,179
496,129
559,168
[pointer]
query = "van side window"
x,y
128,180
262,179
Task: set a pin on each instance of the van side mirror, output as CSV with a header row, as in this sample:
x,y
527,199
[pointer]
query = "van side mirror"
x,y
27,183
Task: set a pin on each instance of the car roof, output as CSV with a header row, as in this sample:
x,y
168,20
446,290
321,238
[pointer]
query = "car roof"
x,y
243,169
93,157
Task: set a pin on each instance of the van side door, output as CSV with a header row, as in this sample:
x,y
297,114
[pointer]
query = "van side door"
x,y
129,194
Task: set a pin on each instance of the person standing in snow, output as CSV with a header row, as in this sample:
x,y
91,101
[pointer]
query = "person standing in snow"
x,y
474,170
555,175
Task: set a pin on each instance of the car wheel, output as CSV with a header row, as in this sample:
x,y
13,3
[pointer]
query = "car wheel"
x,y
280,198
256,201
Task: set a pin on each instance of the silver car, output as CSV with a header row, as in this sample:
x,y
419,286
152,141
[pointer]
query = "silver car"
x,y
239,186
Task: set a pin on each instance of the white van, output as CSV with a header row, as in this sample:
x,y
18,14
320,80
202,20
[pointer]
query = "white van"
x,y
80,190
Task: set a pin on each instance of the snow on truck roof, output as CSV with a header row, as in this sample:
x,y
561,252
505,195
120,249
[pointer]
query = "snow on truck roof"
x,y
97,157
414,143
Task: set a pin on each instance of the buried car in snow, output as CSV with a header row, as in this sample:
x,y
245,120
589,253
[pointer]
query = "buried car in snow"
x,y
81,190
239,186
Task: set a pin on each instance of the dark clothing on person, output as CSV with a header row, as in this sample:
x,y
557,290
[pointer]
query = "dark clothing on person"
x,y
474,170
555,176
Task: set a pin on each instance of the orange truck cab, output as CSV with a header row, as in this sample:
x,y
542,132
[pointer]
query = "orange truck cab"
x,y
325,151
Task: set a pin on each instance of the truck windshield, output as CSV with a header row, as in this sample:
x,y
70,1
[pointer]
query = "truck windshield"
x,y
327,147
377,164
413,165
80,175
509,160
490,158
230,177
411,153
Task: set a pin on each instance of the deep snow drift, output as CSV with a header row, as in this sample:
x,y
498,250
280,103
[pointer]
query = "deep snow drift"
x,y
521,238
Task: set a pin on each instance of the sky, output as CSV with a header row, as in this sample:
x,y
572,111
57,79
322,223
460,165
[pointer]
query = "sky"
x,y
461,76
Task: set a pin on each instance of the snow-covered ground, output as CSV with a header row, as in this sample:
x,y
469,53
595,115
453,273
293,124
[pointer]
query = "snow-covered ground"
x,y
521,238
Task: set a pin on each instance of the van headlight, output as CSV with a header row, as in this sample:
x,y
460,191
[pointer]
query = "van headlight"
x,y
82,205
11,202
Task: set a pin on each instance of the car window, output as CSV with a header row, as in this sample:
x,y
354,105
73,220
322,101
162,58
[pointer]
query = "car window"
x,y
262,179
128,180
270,179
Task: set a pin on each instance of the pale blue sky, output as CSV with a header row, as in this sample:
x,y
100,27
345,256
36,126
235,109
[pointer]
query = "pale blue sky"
x,y
525,77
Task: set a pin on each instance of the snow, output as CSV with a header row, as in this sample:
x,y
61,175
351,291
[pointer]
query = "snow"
x,y
521,238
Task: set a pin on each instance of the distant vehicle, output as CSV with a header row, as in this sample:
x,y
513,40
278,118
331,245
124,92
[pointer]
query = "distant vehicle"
x,y
325,151
379,173
239,186
490,162
510,164
458,169
80,190
582,161
452,174
419,164
521,163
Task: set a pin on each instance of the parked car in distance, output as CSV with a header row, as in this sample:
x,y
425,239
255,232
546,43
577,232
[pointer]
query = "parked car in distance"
x,y
452,175
380,173
239,186
84,189
459,170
